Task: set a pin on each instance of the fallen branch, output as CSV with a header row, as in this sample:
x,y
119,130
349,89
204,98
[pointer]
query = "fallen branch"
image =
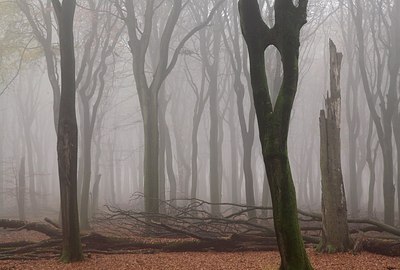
x,y
19,225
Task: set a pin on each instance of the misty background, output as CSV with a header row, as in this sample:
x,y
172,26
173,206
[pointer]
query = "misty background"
x,y
192,92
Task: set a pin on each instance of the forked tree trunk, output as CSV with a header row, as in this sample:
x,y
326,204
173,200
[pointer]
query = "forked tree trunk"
x,y
335,230
273,122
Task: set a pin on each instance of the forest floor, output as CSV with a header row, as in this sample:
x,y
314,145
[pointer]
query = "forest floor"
x,y
211,260
196,260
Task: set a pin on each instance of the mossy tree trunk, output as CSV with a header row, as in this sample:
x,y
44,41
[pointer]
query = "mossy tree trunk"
x,y
67,136
273,122
335,230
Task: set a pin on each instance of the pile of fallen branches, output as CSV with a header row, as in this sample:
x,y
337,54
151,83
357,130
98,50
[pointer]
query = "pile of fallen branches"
x,y
187,225
193,219
232,226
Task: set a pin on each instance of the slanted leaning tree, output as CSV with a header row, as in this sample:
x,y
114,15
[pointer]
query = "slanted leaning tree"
x,y
273,122
67,136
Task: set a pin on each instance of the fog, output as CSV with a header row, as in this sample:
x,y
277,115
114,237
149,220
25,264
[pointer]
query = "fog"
x,y
207,126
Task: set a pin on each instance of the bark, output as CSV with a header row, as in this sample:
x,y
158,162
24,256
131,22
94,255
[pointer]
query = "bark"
x,y
335,231
274,122
266,195
67,136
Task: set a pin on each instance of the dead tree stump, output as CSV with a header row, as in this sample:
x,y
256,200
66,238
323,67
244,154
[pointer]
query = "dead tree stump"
x,y
335,231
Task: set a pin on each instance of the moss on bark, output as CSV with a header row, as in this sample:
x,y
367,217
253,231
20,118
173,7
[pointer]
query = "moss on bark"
x,y
274,122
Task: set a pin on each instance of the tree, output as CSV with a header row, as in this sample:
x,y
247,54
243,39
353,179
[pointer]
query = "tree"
x,y
335,230
210,53
273,122
201,100
139,31
91,86
238,64
383,114
67,136
21,190
42,30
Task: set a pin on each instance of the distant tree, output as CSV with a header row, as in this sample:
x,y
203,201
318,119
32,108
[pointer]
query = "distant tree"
x,y
388,59
67,136
27,111
239,67
91,87
210,54
273,121
39,16
148,87
198,110
21,190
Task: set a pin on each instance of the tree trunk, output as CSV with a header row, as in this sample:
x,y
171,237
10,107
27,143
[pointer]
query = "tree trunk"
x,y
67,137
151,143
95,196
266,195
234,154
274,122
215,192
195,150
86,167
21,190
31,171
335,231
383,121
161,155
197,114
396,129
1,175
170,168
111,180
212,70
